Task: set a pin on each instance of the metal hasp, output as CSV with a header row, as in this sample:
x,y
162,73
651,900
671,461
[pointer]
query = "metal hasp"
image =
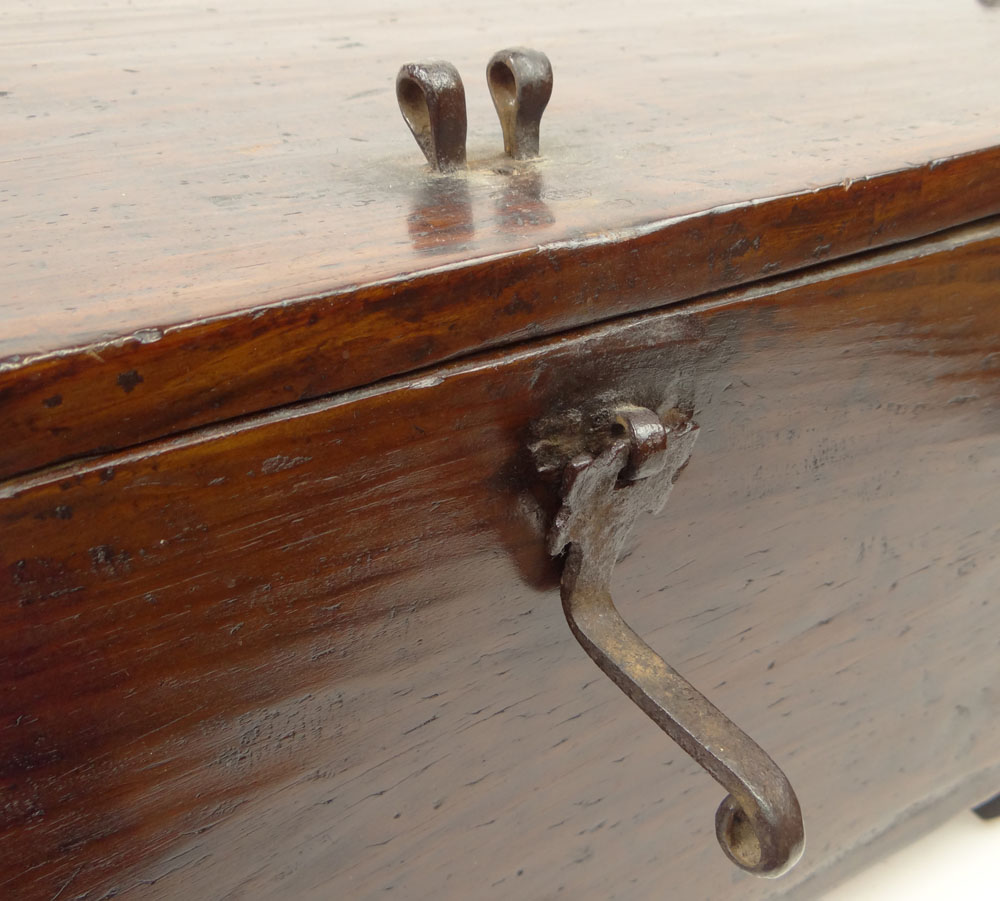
x,y
520,81
431,98
759,824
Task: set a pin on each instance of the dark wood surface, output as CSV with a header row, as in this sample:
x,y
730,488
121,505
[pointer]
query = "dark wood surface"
x,y
215,210
320,652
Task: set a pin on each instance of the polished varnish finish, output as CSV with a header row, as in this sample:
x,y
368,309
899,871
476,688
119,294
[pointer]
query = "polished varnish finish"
x,y
320,652
212,210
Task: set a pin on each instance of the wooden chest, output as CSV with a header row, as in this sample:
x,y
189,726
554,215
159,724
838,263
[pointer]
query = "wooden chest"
x,y
278,612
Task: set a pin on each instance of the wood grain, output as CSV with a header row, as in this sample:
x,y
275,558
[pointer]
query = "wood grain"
x,y
319,653
211,211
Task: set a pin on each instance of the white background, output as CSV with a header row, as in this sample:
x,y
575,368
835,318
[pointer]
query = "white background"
x,y
959,860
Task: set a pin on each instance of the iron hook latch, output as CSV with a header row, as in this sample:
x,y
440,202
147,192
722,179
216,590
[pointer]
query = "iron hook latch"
x,y
759,823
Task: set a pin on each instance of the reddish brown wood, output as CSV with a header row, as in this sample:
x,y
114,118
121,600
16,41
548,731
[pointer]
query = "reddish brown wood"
x,y
319,653
216,210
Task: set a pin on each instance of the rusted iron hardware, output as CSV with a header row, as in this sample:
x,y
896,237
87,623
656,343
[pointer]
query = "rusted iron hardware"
x,y
604,489
520,81
431,98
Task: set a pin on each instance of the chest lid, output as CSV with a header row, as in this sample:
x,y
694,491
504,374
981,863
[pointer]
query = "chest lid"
x,y
212,212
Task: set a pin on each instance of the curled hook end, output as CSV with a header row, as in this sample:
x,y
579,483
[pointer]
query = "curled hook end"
x,y
770,847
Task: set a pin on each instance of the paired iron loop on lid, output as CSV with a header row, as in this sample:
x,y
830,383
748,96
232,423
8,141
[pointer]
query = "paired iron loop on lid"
x,y
431,98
